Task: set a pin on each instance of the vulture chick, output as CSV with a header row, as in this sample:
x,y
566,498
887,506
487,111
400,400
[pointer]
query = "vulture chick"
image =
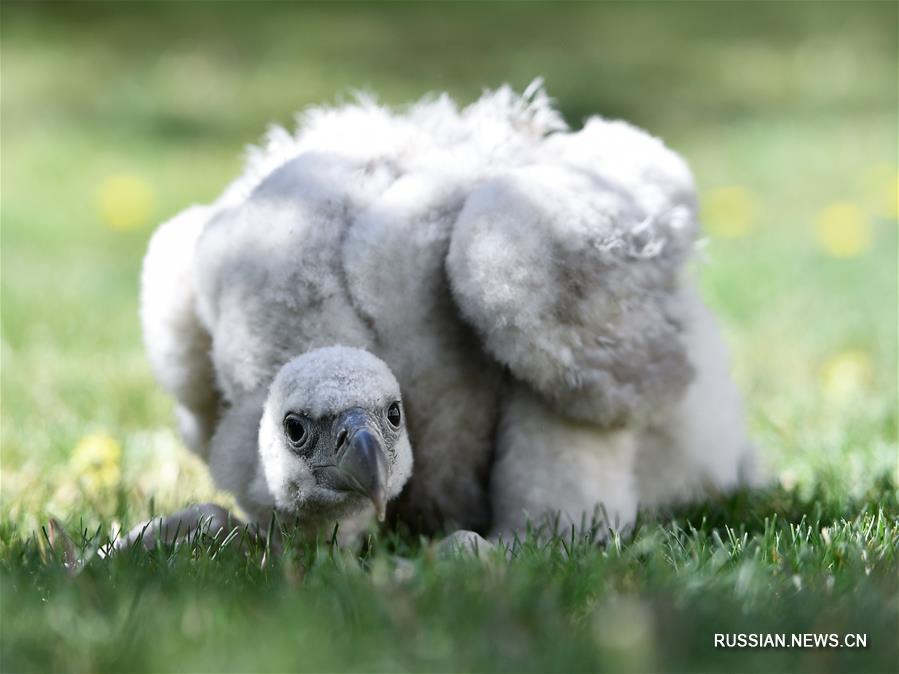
x,y
524,286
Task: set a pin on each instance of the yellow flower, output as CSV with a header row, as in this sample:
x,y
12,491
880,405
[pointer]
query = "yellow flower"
x,y
730,212
96,461
893,198
880,190
846,375
124,201
843,230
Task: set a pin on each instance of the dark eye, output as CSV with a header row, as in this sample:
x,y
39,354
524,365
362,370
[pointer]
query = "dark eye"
x,y
394,416
295,429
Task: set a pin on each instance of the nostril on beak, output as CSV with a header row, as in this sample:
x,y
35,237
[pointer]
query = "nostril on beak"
x,y
341,439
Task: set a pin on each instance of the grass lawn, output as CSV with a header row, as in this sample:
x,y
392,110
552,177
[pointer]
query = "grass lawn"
x,y
116,116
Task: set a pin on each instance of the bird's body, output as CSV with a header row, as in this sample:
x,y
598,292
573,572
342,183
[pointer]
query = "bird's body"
x,y
524,285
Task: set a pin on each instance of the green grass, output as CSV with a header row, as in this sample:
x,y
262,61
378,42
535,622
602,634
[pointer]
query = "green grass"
x,y
650,603
794,103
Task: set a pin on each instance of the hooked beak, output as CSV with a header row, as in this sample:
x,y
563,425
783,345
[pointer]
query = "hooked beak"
x,y
361,466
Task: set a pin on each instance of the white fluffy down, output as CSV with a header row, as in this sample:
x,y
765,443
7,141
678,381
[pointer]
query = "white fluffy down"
x,y
524,283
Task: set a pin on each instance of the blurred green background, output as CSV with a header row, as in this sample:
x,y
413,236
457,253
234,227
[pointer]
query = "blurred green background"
x,y
117,115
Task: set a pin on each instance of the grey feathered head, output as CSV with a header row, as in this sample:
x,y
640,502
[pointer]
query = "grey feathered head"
x,y
333,435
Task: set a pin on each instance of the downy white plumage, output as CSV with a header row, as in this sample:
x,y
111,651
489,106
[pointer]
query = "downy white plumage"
x,y
524,287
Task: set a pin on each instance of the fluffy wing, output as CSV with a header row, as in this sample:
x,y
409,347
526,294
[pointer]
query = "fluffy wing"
x,y
570,270
177,343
